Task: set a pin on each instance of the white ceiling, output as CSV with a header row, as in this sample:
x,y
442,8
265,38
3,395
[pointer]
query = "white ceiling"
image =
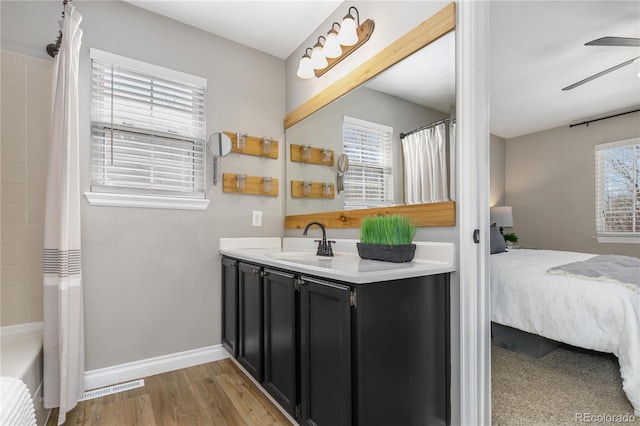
x,y
537,48
273,27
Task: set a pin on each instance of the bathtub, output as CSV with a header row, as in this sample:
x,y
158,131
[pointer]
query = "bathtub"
x,y
21,357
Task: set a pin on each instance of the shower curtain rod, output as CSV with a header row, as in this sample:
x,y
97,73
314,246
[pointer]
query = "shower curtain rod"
x,y
52,48
435,123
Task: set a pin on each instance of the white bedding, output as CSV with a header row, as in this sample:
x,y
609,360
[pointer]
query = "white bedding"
x,y
601,316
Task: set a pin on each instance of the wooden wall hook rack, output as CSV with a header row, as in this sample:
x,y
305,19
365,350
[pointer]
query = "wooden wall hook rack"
x,y
315,156
253,185
253,146
316,190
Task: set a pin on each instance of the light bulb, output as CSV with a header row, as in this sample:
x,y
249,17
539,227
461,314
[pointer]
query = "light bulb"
x,y
318,61
305,70
348,35
332,48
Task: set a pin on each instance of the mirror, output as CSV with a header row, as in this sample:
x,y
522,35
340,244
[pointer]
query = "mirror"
x,y
415,91
219,145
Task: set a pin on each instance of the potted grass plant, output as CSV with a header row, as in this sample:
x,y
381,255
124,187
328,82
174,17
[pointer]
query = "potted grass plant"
x,y
387,238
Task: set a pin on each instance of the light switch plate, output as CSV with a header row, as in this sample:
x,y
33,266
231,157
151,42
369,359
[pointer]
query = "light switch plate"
x,y
256,218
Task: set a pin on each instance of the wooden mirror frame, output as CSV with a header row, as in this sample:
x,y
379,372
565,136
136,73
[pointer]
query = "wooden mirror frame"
x,y
432,214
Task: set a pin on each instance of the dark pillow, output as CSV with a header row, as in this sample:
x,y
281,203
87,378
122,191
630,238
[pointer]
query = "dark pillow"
x,y
496,240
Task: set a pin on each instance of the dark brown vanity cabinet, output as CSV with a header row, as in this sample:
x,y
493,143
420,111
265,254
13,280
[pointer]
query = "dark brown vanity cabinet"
x,y
336,353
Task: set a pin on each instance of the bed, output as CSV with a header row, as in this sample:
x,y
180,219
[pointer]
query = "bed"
x,y
601,315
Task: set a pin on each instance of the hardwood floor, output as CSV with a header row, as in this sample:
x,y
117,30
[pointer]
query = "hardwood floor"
x,y
216,393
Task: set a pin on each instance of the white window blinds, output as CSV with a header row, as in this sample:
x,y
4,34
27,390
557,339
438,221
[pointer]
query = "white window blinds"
x,y
368,181
147,128
617,188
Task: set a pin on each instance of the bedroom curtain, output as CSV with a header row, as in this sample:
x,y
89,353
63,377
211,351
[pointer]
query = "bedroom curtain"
x,y
425,165
63,314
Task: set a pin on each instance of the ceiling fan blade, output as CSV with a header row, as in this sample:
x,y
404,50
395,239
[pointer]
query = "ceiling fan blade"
x,y
615,41
600,74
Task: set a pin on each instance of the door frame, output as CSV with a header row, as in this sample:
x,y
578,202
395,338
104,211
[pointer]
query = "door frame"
x,y
472,158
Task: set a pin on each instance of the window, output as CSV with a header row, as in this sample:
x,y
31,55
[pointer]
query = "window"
x,y
368,181
617,191
147,135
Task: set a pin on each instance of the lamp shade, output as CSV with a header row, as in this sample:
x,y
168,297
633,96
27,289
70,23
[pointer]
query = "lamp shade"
x,y
332,48
348,35
502,216
318,61
305,69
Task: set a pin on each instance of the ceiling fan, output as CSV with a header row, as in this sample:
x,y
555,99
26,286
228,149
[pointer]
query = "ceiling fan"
x,y
609,41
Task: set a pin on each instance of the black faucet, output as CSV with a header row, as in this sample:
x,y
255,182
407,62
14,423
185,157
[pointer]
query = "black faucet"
x,y
324,246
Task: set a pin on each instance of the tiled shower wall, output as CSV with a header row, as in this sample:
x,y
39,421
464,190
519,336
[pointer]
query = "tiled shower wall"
x,y
25,95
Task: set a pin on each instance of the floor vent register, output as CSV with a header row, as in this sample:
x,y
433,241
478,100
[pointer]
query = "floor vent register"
x,y
97,393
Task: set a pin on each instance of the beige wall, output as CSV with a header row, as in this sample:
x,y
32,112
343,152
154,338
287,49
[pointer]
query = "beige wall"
x,y
25,114
151,277
550,182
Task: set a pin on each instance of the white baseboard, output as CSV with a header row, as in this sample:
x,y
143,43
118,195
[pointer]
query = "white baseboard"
x,y
148,367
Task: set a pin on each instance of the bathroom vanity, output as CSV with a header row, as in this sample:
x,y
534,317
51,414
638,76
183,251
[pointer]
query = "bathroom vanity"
x,y
340,340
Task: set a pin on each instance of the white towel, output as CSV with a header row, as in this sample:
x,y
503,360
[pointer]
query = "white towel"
x,y
16,407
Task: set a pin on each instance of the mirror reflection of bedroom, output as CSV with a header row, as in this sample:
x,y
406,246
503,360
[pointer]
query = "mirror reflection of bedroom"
x,y
565,178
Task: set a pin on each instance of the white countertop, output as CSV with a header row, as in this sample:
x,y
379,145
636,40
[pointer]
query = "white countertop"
x,y
298,255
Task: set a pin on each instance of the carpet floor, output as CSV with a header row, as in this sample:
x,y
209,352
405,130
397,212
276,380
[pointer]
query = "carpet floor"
x,y
566,387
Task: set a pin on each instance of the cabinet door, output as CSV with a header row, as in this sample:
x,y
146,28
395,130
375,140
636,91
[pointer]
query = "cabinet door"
x,y
280,338
250,312
230,306
325,335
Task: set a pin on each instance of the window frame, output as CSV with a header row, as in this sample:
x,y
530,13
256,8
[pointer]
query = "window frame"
x,y
121,196
602,236
385,169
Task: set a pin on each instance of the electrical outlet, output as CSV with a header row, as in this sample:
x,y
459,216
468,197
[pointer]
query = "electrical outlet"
x,y
256,218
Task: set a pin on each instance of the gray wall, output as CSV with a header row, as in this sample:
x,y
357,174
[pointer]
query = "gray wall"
x,y
550,183
151,277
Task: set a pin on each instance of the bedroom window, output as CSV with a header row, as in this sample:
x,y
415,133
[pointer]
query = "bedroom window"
x,y
147,135
618,191
368,181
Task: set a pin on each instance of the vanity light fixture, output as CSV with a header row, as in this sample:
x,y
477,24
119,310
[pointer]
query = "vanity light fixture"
x,y
323,57
305,70
318,60
348,35
332,47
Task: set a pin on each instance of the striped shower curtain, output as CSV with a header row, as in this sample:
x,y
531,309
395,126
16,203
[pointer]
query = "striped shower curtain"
x,y
425,165
63,313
